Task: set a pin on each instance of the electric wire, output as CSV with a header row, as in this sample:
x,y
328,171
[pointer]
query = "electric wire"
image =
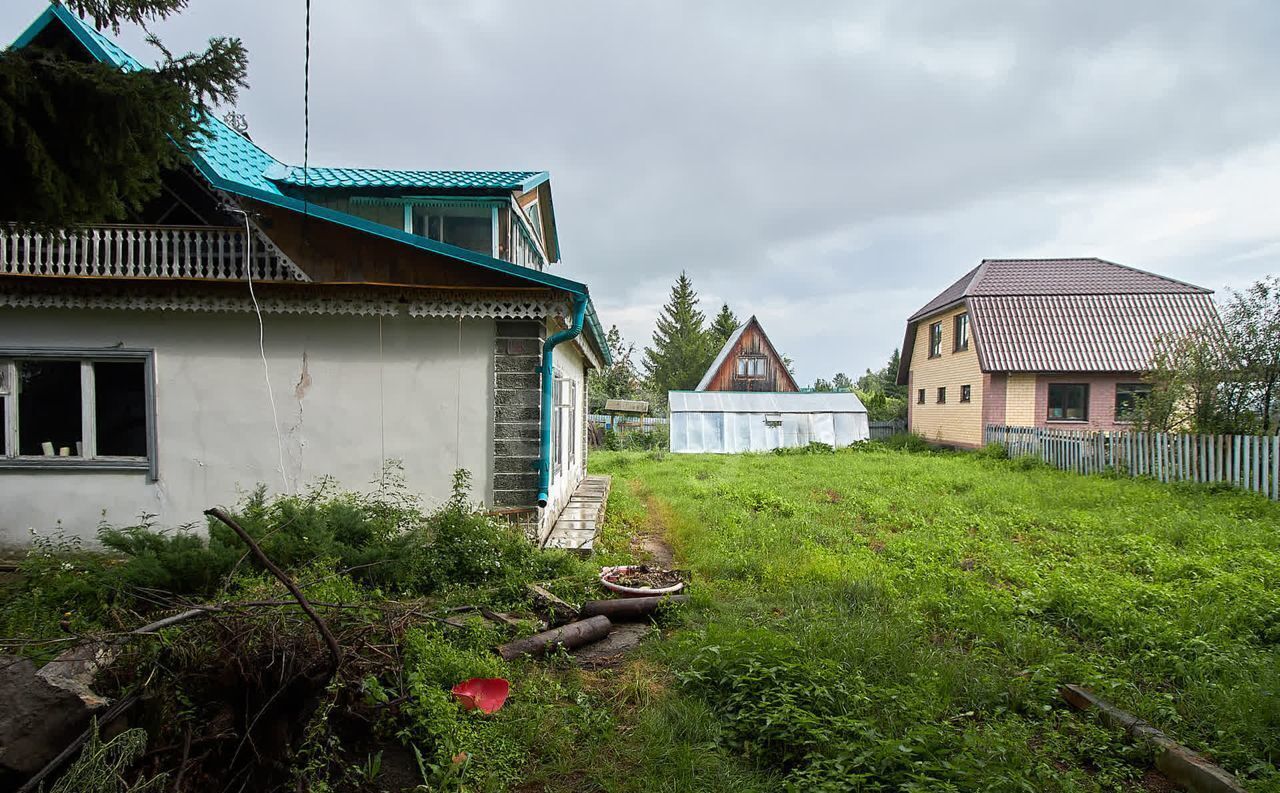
x,y
262,345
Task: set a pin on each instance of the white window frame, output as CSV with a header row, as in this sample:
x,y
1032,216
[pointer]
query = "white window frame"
x,y
89,459
750,367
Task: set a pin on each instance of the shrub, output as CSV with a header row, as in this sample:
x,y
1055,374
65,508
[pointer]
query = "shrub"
x,y
992,451
813,447
905,441
380,539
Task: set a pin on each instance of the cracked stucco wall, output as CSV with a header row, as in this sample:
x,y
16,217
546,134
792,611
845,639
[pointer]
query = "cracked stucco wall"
x,y
347,396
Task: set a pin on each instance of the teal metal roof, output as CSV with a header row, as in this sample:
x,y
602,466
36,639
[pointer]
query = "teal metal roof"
x,y
232,162
234,158
413,180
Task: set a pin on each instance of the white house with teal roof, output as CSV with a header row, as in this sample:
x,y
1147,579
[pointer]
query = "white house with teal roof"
x,y
258,323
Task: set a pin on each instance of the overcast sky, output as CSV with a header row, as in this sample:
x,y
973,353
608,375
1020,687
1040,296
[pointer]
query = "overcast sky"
x,y
828,167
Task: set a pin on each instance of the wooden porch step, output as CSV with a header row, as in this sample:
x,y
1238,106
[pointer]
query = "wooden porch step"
x,y
578,525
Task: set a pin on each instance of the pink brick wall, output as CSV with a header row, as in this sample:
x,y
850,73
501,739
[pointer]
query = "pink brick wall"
x,y
1102,400
993,398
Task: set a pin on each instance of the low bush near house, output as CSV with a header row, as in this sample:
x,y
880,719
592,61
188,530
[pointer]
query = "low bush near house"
x,y
904,441
380,539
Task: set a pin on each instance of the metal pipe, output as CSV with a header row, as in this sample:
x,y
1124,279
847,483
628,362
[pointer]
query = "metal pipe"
x,y
548,380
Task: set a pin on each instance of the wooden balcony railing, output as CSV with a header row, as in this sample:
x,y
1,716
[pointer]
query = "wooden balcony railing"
x,y
197,252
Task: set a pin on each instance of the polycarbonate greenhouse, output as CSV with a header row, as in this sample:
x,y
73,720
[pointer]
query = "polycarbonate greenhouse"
x,y
730,422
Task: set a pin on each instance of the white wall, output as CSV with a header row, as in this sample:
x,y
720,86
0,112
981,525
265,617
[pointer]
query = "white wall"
x,y
570,363
338,407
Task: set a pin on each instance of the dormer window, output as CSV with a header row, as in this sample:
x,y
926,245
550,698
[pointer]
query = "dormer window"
x,y
750,366
534,214
470,228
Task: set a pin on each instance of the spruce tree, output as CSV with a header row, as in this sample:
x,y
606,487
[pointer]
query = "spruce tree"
x,y
84,142
723,326
682,349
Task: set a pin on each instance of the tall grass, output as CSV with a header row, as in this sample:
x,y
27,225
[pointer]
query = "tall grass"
x,y
882,620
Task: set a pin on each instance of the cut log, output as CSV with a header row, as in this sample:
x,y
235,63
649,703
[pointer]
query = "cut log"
x,y
629,609
557,611
575,634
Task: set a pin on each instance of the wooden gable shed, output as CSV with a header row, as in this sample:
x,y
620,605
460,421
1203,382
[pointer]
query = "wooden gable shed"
x,y
748,362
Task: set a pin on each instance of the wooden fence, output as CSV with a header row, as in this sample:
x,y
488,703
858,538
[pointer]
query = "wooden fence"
x,y
1250,462
885,429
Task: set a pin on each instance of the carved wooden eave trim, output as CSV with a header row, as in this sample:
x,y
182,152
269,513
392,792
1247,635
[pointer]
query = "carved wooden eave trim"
x,y
313,299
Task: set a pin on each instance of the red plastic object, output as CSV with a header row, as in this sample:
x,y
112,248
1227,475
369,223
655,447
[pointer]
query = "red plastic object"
x,y
488,694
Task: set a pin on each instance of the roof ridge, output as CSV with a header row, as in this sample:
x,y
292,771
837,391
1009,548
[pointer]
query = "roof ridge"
x,y
978,272
1201,289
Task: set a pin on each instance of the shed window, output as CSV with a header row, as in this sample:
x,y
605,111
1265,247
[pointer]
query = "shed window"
x,y
61,409
1068,402
935,340
773,420
920,396
962,332
966,393
1128,397
751,366
942,395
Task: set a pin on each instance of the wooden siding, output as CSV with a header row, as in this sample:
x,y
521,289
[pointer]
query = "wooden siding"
x,y
753,343
1020,400
955,421
330,252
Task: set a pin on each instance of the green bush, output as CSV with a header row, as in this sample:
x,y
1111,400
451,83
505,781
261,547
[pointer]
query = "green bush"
x,y
381,539
992,451
905,441
813,447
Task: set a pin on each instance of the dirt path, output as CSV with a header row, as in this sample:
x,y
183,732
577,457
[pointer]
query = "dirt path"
x,y
651,543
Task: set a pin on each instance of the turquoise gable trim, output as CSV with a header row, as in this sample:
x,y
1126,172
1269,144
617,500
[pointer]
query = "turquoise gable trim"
x,y
232,162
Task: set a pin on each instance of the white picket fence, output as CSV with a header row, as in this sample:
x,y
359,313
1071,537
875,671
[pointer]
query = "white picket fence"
x,y
1250,462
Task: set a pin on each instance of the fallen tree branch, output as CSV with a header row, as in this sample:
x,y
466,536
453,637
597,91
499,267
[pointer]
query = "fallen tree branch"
x,y
335,652
575,634
1182,765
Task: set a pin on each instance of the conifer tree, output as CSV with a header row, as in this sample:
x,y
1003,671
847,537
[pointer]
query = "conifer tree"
x,y
682,349
723,326
84,142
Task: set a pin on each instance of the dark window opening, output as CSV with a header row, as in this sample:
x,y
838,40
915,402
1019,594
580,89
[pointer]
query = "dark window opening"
x,y
962,332
49,420
120,393
965,393
475,233
920,397
1128,398
942,395
1068,402
935,340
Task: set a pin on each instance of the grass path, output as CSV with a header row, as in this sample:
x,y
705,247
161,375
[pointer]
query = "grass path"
x,y
886,621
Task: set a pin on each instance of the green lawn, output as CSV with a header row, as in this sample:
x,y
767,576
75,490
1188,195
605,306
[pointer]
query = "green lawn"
x,y
879,620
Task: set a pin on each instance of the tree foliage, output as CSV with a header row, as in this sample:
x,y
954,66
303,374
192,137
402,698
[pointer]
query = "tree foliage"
x,y
682,348
1222,378
723,326
619,380
84,142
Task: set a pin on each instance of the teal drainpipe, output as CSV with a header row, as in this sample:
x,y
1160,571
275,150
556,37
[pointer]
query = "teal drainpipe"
x,y
548,380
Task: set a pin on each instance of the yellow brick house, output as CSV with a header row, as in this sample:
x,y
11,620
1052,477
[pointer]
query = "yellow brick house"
x,y
1040,343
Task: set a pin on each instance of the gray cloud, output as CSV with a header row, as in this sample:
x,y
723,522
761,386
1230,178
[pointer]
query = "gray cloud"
x,y
829,168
